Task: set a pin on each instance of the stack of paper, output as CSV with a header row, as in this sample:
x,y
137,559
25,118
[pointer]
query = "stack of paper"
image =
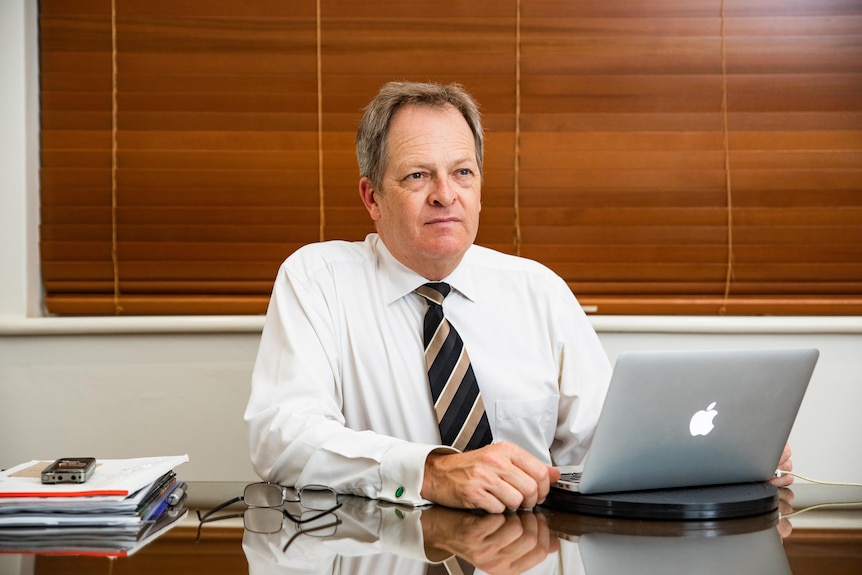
x,y
124,505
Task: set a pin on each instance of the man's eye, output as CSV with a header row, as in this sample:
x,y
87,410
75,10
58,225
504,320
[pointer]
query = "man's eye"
x,y
415,176
465,172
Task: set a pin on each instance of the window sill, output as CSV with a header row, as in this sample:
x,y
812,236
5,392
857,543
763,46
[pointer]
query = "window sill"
x,y
129,325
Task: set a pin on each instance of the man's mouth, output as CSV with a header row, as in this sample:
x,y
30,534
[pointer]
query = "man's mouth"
x,y
443,221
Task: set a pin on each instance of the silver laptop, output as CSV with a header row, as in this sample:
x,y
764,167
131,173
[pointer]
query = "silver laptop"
x,y
687,418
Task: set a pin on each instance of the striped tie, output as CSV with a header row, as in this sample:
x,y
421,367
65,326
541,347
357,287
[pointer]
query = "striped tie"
x,y
452,566
459,406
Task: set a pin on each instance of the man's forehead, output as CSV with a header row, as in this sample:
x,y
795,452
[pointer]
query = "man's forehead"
x,y
419,129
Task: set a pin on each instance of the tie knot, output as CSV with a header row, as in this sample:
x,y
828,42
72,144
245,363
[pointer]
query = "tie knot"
x,y
434,292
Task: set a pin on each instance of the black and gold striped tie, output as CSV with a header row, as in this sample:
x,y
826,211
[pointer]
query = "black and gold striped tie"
x,y
457,401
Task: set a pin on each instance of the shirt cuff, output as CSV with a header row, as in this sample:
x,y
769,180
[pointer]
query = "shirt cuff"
x,y
402,471
401,532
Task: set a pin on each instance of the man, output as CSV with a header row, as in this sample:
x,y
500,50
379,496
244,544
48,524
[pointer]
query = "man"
x,y
340,393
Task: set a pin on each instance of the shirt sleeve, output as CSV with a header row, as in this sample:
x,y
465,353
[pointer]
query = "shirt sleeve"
x,y
585,373
294,419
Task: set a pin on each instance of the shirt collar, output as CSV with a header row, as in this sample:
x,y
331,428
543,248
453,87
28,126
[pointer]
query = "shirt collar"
x,y
401,280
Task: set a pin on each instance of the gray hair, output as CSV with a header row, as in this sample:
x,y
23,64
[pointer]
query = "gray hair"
x,y
373,133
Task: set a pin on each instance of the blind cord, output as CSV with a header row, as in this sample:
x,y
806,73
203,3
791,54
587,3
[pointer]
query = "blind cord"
x,y
726,145
322,208
115,257
517,150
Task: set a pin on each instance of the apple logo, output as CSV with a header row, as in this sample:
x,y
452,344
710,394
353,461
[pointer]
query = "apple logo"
x,y
701,422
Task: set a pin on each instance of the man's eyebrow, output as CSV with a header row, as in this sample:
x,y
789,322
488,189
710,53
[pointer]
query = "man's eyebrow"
x,y
419,165
470,161
411,167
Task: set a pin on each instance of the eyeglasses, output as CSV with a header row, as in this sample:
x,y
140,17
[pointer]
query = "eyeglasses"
x,y
265,512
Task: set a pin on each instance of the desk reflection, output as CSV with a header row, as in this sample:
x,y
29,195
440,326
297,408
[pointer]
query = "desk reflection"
x,y
369,537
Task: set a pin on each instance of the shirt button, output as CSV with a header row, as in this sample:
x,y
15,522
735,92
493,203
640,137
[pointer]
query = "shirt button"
x,y
399,492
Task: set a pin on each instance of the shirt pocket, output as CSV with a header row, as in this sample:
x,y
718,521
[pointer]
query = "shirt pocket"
x,y
530,424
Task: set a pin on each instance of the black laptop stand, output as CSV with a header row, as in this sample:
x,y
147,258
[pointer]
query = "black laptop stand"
x,y
689,503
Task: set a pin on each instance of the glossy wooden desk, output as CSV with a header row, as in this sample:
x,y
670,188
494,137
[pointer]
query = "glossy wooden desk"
x,y
821,539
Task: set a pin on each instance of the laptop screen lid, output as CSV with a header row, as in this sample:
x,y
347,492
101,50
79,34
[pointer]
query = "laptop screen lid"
x,y
687,418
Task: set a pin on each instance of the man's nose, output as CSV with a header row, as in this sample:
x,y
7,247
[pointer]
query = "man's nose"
x,y
443,192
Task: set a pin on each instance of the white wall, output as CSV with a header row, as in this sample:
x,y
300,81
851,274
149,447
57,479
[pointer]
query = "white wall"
x,y
149,392
128,395
19,201
128,387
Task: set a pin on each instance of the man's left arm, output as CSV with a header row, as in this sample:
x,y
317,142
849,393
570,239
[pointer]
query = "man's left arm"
x,y
585,374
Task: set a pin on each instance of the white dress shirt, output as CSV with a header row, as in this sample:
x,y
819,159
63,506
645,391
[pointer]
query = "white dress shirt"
x,y
339,393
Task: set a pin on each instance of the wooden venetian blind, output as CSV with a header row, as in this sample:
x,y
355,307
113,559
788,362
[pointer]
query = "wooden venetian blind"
x,y
649,195
666,156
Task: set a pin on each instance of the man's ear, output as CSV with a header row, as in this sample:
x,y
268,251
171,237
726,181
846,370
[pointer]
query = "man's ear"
x,y
369,197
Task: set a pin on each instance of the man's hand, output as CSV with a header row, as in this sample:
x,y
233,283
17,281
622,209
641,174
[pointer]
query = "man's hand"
x,y
785,508
784,465
495,478
500,543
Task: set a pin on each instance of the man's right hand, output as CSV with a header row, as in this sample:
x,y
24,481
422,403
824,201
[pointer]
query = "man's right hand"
x,y
500,543
495,478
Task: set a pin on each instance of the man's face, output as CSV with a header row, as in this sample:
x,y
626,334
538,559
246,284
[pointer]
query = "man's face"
x,y
427,212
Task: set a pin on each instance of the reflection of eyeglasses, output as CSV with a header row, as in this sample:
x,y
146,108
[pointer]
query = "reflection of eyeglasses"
x,y
323,526
265,514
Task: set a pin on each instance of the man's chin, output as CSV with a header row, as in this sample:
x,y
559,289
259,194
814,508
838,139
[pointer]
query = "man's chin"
x,y
447,239
443,257
446,248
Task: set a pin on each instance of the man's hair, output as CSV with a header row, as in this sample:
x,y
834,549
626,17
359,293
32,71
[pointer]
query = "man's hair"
x,y
373,133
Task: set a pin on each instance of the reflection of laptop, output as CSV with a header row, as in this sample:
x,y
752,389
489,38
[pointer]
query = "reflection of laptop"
x,y
686,418
759,552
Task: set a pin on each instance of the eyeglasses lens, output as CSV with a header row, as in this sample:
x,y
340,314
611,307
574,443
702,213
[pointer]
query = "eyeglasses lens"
x,y
263,519
263,495
318,498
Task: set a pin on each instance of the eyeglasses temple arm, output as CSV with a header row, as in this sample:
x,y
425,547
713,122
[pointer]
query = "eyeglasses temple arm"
x,y
219,507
